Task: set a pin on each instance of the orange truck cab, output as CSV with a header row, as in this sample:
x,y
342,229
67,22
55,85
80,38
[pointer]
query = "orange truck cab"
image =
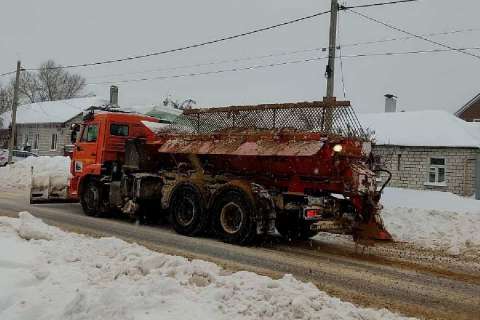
x,y
100,146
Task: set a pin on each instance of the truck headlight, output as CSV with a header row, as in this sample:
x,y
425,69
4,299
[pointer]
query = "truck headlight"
x,y
78,166
337,148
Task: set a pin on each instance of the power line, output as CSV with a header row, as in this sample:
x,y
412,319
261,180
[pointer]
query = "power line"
x,y
271,65
341,60
411,37
197,45
279,54
7,73
362,55
194,74
375,4
413,34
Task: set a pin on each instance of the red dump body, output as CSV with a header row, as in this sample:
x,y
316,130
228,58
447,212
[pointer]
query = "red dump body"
x,y
289,160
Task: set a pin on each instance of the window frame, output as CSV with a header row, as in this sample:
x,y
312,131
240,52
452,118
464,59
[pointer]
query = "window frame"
x,y
119,124
54,142
435,169
83,137
36,141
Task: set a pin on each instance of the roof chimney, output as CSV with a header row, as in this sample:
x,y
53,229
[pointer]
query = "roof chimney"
x,y
114,96
390,103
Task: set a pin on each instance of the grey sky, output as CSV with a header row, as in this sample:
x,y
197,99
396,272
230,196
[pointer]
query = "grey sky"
x,y
73,32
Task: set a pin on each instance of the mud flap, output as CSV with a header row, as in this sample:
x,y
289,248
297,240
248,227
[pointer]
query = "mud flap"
x,y
48,189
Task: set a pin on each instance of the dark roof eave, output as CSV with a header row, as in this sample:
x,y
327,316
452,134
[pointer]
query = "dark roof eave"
x,y
438,147
468,105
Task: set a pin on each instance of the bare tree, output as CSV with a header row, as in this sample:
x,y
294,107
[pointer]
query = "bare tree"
x,y
50,83
55,83
6,98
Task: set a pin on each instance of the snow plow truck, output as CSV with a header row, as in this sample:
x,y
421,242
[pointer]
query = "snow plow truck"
x,y
237,172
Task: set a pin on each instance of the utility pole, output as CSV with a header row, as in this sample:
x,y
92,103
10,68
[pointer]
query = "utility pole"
x,y
332,47
13,130
330,71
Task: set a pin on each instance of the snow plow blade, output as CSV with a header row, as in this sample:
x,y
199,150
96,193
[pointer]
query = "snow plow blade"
x,y
48,189
371,231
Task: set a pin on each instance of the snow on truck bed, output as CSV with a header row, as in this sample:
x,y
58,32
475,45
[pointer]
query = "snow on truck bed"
x,y
46,273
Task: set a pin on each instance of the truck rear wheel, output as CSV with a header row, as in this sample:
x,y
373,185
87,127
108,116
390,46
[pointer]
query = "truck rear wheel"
x,y
188,210
233,217
91,198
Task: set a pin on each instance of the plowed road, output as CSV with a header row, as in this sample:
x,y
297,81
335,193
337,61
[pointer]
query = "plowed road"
x,y
395,276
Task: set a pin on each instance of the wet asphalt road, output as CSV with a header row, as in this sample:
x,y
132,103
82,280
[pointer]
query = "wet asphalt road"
x,y
367,280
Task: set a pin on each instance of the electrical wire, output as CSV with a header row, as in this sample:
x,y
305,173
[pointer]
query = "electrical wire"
x,y
197,45
7,73
264,66
413,34
280,54
194,74
411,37
340,58
375,4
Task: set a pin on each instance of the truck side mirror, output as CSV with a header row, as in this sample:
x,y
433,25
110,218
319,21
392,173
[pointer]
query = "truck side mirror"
x,y
75,128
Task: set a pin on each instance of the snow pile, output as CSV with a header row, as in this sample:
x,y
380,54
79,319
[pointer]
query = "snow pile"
x,y
45,169
433,219
77,277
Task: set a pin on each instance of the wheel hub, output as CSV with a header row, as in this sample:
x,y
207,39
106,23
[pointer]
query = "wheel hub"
x,y
186,212
231,218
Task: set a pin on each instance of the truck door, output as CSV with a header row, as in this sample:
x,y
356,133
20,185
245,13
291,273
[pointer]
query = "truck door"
x,y
86,152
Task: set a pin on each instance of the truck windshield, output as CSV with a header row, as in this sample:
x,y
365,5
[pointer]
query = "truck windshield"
x,y
90,133
117,129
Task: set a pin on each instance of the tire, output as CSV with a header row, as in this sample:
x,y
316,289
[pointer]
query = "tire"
x,y
234,217
188,212
91,198
293,229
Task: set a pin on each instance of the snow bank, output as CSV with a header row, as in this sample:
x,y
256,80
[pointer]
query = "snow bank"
x,y
76,277
18,175
433,219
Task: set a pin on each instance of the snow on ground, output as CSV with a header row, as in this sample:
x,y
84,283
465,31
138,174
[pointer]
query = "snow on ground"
x,y
46,273
18,175
433,219
430,219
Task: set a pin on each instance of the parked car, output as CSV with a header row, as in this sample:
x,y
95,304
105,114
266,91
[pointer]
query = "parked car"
x,y
17,155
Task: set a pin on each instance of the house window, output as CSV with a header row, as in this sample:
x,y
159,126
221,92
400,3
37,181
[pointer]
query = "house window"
x,y
436,171
36,138
53,144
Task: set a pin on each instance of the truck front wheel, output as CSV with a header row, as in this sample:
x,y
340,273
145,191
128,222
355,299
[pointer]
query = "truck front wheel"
x,y
188,212
233,217
90,198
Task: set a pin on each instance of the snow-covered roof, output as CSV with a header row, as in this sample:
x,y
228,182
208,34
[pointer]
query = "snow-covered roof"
x,y
51,111
430,128
154,110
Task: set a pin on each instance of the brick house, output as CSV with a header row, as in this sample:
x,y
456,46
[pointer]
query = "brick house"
x,y
44,127
429,150
470,111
